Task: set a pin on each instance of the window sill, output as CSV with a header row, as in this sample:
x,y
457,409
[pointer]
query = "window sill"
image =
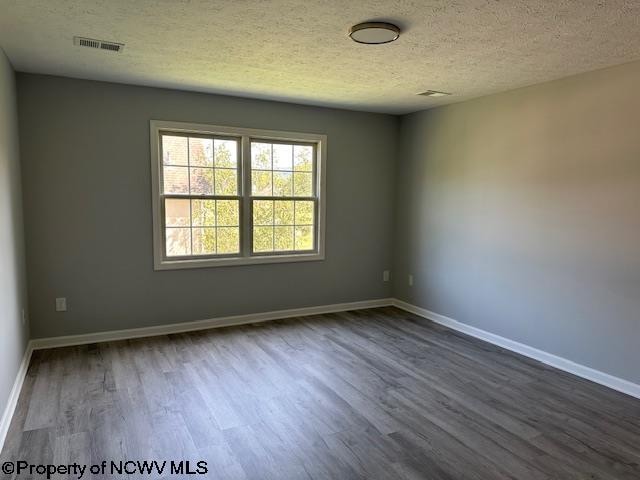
x,y
228,262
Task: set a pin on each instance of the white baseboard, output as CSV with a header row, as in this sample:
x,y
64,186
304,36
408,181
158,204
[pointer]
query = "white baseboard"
x,y
589,373
66,341
596,376
12,401
40,343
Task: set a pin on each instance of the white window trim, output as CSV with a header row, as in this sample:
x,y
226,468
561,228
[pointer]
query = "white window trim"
x,y
160,262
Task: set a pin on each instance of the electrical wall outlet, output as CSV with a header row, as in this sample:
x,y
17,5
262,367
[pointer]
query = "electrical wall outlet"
x,y
410,280
24,317
61,304
385,276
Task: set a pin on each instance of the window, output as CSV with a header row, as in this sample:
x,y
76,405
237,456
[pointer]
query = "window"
x,y
225,196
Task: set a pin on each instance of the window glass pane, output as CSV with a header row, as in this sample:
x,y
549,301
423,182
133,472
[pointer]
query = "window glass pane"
x,y
203,213
304,212
176,179
228,214
226,181
204,241
283,212
228,240
282,157
263,212
201,181
226,152
261,183
174,150
303,158
262,239
283,238
282,184
178,241
176,212
304,238
302,184
261,155
200,152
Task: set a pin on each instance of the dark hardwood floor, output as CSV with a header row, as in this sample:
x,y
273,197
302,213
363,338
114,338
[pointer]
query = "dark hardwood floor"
x,y
375,394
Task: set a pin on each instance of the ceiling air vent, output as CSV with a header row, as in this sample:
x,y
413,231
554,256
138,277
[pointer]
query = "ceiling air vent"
x,y
99,44
434,93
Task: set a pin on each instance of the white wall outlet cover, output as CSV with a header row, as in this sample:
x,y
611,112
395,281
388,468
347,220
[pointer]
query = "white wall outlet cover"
x,y
411,280
385,276
61,304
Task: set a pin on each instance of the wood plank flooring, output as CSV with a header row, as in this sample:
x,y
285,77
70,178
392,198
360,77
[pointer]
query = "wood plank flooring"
x,y
371,394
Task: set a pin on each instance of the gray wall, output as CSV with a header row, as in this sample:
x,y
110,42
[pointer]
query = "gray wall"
x,y
13,292
516,213
85,150
519,214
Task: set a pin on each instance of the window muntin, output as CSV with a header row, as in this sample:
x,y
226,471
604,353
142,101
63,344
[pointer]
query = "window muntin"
x,y
227,196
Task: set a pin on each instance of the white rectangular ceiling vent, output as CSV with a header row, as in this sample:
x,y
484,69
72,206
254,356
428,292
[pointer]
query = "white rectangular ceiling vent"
x,y
99,44
434,93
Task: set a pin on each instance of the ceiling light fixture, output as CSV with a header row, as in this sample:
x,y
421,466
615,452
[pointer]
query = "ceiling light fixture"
x,y
434,93
374,33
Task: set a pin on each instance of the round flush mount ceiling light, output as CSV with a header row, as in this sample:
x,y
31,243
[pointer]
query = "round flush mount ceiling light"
x,y
374,33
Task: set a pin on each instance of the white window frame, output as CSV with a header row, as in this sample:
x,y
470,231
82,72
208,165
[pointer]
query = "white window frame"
x,y
245,136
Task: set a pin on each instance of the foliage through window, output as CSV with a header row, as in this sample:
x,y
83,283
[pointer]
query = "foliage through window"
x,y
227,195
283,202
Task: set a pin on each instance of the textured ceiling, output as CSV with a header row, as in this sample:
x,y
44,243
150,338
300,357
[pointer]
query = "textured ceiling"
x,y
299,50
